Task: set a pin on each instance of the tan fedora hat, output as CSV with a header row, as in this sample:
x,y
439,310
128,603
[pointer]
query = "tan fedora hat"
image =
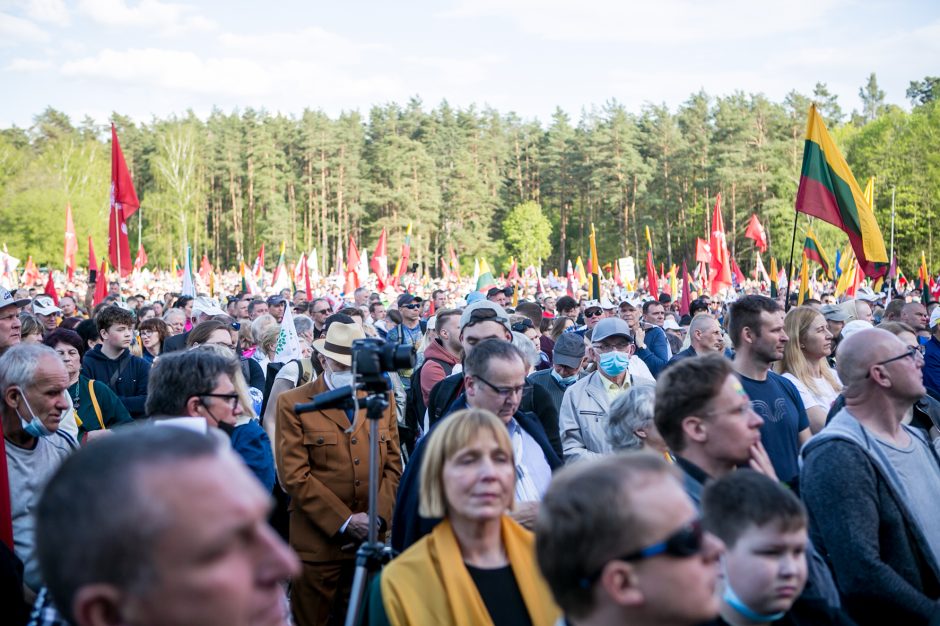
x,y
338,342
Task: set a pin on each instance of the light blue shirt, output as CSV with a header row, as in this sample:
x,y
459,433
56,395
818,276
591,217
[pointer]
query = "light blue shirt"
x,y
533,458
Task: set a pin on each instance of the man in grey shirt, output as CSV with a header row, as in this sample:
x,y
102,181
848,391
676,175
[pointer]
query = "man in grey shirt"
x,y
871,486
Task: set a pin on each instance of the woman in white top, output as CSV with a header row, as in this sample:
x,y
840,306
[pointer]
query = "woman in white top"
x,y
804,363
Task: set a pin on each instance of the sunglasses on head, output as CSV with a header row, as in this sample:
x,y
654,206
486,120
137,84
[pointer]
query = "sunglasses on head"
x,y
685,542
521,327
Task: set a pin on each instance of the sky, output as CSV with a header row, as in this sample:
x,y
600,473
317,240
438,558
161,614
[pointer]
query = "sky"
x,y
146,58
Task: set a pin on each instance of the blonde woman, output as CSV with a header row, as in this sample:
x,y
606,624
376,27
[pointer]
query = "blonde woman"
x,y
478,565
804,363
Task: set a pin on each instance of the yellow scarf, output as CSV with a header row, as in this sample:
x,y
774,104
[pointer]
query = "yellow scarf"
x,y
429,583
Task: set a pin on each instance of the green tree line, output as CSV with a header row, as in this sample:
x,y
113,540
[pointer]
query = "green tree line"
x,y
465,178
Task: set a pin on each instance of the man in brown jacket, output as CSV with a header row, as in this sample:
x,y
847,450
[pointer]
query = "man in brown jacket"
x,y
323,463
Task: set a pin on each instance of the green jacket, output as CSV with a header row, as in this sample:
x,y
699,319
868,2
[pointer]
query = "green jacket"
x,y
108,413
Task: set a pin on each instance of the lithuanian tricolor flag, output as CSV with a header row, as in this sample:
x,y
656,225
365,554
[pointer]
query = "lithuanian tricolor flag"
x,y
829,191
773,277
814,252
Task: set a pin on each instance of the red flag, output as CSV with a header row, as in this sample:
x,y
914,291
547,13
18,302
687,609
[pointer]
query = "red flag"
x,y
513,272
651,278
737,273
686,300
720,265
379,262
30,272
50,289
617,278
124,203
141,261
101,287
92,261
71,242
352,267
756,232
402,267
570,277
307,282
205,268
454,265
702,252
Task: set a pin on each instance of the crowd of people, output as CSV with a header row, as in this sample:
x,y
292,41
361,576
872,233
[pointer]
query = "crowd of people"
x,y
547,459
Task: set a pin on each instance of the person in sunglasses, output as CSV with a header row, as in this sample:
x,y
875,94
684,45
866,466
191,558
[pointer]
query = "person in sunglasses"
x,y
583,415
411,330
871,485
619,542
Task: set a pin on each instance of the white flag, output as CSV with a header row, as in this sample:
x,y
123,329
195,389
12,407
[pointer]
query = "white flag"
x,y
189,288
288,344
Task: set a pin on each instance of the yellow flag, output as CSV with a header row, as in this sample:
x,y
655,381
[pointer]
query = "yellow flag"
x,y
804,282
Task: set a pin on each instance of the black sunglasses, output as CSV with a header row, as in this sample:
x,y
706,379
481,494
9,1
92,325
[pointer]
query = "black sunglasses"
x,y
685,542
410,306
593,312
521,327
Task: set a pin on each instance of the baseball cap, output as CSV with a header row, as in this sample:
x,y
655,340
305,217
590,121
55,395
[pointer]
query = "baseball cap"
x,y
496,290
592,304
569,350
6,299
866,294
834,313
276,300
853,327
407,298
475,296
43,305
610,327
934,316
484,311
206,306
670,324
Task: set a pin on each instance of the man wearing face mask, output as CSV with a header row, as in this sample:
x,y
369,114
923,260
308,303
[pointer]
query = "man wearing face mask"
x,y
196,389
583,415
567,362
33,384
323,464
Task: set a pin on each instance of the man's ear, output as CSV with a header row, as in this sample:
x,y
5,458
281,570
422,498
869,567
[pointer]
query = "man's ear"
x,y
619,582
192,406
9,397
694,428
98,604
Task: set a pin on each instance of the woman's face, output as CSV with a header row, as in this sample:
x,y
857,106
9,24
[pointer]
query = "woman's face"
x,y
69,356
150,338
32,338
479,479
816,342
533,336
148,314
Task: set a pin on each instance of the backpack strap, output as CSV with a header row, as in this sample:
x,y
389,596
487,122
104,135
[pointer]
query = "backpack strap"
x,y
122,364
94,403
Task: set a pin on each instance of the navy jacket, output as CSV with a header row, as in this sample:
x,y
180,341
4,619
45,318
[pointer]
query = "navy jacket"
x,y
251,442
656,352
407,526
130,384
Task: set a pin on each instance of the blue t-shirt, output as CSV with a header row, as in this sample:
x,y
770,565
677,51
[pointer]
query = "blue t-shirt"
x,y
778,403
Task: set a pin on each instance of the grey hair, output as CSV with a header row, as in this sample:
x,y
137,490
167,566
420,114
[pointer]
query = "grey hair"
x,y
259,324
113,534
630,412
528,350
303,324
18,364
173,313
178,376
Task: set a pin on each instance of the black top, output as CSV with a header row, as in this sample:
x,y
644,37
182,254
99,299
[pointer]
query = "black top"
x,y
501,595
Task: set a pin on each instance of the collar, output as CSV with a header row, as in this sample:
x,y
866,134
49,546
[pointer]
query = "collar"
x,y
693,470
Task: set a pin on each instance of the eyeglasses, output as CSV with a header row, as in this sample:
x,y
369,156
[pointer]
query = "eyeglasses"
x,y
231,398
685,542
147,332
911,353
622,346
410,306
502,392
321,311
593,313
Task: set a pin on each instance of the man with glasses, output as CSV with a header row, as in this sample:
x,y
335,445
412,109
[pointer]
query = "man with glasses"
x,y
619,543
584,409
196,389
411,330
320,309
871,485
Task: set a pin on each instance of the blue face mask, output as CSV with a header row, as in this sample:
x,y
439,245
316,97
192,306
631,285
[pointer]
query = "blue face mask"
x,y
614,363
564,382
732,600
35,427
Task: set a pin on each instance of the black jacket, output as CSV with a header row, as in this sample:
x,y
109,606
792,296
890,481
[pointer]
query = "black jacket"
x,y
176,342
126,376
407,525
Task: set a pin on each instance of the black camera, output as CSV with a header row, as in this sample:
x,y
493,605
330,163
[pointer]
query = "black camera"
x,y
372,357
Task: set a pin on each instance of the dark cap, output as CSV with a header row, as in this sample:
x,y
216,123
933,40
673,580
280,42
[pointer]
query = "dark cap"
x,y
569,350
407,298
496,290
276,300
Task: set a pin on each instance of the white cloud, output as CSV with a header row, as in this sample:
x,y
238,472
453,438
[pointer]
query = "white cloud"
x,y
49,11
166,17
458,71
640,21
15,30
28,65
307,43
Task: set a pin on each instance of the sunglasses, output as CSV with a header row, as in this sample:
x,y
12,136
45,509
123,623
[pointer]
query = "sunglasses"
x,y
520,327
410,306
685,542
593,313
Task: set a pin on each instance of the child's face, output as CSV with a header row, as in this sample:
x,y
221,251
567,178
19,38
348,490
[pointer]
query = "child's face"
x,y
767,567
118,336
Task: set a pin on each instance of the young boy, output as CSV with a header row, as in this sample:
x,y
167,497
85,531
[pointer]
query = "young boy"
x,y
113,364
764,570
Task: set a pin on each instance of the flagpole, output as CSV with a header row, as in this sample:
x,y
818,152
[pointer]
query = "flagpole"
x,y
786,303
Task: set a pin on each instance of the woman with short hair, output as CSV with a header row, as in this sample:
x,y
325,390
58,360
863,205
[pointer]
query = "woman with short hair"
x,y
630,423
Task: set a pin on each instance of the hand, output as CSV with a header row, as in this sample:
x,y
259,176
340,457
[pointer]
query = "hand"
x,y
358,526
525,513
639,336
760,461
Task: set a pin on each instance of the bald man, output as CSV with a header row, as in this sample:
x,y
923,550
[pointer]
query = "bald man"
x,y
871,485
705,337
914,314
